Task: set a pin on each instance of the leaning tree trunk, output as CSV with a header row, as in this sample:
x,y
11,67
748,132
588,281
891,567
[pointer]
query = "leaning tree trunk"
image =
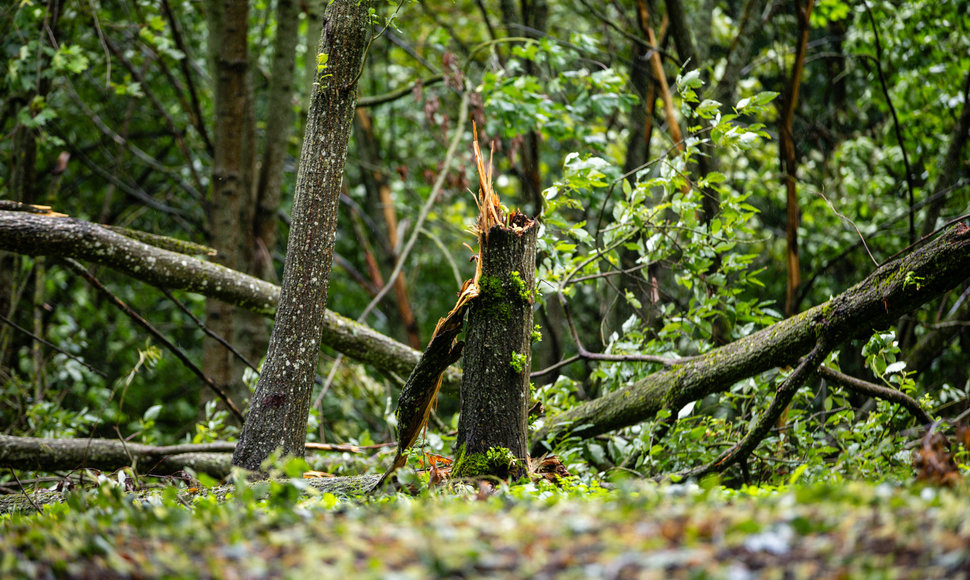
x,y
166,263
281,403
895,288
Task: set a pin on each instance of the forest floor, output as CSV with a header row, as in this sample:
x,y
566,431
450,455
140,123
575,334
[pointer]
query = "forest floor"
x,y
631,530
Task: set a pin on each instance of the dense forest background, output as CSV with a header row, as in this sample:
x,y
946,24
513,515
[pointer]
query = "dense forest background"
x,y
701,170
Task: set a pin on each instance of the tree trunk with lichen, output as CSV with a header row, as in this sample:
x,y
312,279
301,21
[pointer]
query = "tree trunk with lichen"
x,y
498,355
280,406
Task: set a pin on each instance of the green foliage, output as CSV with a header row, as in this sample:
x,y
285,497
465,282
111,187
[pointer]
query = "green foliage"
x,y
286,527
518,361
626,240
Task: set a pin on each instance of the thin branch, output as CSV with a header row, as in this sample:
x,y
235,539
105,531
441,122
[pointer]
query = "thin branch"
x,y
447,255
862,239
138,152
208,331
370,41
81,271
104,46
877,391
399,92
611,273
585,354
611,23
488,22
882,229
50,345
558,365
133,190
197,118
740,452
896,125
24,491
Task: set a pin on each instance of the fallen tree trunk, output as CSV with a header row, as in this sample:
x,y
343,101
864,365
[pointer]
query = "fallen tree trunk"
x,y
33,500
41,235
894,289
40,454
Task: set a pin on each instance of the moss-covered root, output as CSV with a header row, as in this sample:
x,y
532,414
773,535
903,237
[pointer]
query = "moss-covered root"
x,y
496,462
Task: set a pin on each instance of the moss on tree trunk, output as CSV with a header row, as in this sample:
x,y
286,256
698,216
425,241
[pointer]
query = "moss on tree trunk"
x,y
895,288
498,347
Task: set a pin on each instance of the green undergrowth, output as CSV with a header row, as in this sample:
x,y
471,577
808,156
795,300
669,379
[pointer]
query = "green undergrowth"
x,y
580,530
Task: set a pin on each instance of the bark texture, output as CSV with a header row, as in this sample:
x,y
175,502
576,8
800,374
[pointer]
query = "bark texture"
x,y
42,454
421,389
281,403
893,289
498,350
39,235
38,454
230,202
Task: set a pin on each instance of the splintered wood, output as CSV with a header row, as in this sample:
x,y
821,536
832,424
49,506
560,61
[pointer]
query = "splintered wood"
x,y
420,391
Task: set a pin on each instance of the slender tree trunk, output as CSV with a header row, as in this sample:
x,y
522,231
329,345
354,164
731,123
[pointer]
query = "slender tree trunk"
x,y
230,196
281,403
279,108
529,21
789,162
498,352
259,212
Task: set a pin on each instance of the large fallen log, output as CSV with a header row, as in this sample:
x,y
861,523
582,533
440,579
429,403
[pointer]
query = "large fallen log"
x,y
43,454
42,235
895,288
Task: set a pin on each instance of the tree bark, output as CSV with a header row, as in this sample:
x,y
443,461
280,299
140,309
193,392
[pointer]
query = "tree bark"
x,y
280,406
38,235
498,351
279,104
420,392
230,198
42,454
894,288
38,454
